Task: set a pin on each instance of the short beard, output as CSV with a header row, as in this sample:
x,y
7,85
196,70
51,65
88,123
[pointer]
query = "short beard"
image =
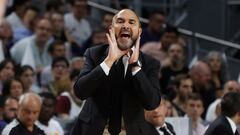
x,y
123,47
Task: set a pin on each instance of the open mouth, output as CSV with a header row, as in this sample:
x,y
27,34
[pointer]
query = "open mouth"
x,y
125,35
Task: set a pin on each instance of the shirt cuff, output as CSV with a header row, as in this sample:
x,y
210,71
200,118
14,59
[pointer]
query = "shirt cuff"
x,y
105,68
135,72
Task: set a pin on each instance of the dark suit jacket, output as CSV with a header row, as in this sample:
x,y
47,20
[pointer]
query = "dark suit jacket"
x,y
154,131
139,92
220,126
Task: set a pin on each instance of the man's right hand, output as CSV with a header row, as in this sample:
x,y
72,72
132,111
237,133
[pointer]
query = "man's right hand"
x,y
114,53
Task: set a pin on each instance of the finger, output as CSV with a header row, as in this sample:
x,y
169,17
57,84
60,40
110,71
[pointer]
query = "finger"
x,y
138,42
109,39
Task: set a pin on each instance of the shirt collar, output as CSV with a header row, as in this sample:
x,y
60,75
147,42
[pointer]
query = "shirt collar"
x,y
232,124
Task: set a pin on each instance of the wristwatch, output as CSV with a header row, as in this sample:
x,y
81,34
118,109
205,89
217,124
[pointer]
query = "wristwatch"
x,y
135,64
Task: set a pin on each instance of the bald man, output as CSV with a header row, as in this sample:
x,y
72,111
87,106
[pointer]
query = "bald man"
x,y
201,75
117,81
28,111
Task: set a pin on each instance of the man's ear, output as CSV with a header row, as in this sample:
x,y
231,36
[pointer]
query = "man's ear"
x,y
140,31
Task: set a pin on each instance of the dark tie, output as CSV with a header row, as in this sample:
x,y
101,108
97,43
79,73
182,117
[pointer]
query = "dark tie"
x,y
114,125
236,133
165,130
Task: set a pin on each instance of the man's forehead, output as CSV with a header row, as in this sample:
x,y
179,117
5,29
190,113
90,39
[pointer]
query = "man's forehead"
x,y
126,14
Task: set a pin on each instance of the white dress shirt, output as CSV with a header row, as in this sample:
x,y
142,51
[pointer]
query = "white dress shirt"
x,y
232,124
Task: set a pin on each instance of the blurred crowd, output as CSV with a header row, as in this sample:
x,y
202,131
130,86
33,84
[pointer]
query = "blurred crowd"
x,y
42,45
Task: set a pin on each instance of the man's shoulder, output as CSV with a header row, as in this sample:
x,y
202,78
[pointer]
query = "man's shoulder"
x,y
98,49
10,127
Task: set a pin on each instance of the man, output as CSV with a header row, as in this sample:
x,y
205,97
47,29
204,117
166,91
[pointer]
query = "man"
x,y
115,84
156,25
184,87
175,66
159,49
225,124
214,108
77,26
156,118
60,72
37,45
45,120
56,49
200,74
10,108
194,110
28,111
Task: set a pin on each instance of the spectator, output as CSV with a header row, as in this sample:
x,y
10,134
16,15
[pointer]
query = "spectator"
x,y
68,105
155,27
45,120
77,63
59,32
28,111
9,111
61,81
175,66
213,110
107,21
37,45
27,76
218,68
98,37
159,49
16,17
194,110
29,21
12,88
184,87
156,119
56,49
7,71
200,74
225,124
6,37
78,28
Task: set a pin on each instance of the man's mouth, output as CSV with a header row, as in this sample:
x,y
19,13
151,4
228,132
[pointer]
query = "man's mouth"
x,y
125,35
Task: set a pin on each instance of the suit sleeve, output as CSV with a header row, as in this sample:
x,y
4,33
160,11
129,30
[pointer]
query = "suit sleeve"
x,y
146,85
90,78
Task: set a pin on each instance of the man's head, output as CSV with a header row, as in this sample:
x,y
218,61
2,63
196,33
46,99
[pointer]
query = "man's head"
x,y
194,107
157,21
29,109
57,21
48,107
230,106
10,109
184,86
127,28
176,54
231,86
157,116
79,8
5,30
170,35
201,74
7,69
31,16
107,20
77,63
43,30
60,67
57,49
26,75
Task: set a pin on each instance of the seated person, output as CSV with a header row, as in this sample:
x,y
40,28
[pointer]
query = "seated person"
x,y
157,120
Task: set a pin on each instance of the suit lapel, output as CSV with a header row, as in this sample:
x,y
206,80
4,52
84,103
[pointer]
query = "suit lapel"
x,y
227,124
